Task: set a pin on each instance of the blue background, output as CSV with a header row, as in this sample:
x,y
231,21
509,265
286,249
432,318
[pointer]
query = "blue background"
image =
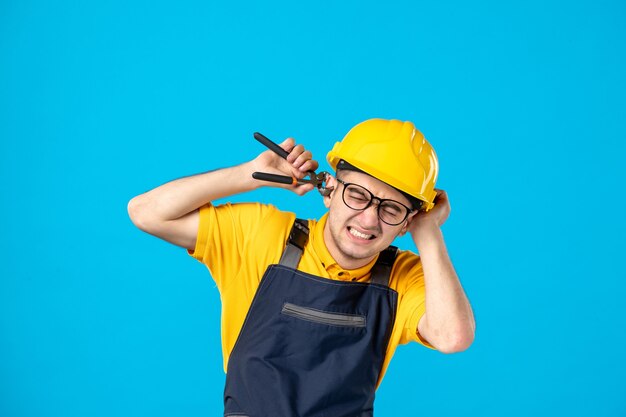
x,y
525,103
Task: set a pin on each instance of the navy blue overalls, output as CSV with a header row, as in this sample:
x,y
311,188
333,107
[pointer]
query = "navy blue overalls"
x,y
311,346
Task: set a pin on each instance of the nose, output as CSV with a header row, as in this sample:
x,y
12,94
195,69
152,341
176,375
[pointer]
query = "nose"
x,y
369,216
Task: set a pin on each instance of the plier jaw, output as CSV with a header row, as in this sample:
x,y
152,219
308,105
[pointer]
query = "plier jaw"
x,y
319,181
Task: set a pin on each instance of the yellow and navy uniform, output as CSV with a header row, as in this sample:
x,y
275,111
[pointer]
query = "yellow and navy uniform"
x,y
237,242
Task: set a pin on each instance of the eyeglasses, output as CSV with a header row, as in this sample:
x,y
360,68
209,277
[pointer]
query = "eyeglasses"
x,y
360,198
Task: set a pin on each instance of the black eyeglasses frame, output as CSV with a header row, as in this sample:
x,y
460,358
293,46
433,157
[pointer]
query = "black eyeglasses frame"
x,y
372,198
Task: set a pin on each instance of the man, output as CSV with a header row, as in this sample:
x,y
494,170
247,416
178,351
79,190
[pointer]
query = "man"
x,y
312,311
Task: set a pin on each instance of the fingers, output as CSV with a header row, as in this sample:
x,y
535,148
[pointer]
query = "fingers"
x,y
300,162
294,152
288,144
441,195
310,165
300,158
304,157
305,162
442,198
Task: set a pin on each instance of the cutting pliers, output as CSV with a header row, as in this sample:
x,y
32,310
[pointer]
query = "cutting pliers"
x,y
318,180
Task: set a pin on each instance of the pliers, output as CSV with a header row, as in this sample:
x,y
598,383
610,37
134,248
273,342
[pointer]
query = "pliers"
x,y
318,180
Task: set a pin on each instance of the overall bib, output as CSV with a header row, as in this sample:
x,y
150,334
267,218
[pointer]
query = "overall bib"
x,y
311,346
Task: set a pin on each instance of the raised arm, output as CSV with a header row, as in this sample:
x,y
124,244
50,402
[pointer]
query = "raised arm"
x,y
448,323
170,211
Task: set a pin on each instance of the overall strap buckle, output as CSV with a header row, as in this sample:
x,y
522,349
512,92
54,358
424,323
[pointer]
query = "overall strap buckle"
x,y
298,237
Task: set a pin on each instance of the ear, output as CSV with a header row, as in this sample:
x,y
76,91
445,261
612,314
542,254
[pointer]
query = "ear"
x,y
407,222
331,184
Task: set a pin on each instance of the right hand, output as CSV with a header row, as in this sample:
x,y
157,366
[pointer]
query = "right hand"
x,y
298,164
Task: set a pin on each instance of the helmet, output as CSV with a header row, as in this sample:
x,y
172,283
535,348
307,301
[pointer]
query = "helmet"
x,y
394,152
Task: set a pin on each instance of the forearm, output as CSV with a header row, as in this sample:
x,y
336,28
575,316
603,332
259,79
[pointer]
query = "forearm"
x,y
171,210
177,198
448,323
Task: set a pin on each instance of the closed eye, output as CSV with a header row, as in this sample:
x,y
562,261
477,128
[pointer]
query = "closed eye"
x,y
391,209
358,195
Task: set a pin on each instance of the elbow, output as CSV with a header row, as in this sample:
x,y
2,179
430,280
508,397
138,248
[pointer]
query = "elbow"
x,y
451,336
455,341
139,213
456,345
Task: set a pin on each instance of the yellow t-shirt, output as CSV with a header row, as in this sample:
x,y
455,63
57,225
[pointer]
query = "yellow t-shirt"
x,y
237,242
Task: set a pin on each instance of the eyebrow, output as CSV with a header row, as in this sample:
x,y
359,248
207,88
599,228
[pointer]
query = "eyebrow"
x,y
408,205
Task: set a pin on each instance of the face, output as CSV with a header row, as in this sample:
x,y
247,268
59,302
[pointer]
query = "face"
x,y
355,237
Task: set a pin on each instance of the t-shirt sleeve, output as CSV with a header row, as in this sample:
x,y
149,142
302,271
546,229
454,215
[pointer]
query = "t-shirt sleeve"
x,y
229,236
412,299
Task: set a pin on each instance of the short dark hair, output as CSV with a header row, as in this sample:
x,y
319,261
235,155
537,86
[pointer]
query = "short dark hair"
x,y
416,203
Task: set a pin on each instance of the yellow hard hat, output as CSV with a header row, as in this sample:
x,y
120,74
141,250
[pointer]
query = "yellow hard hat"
x,y
394,152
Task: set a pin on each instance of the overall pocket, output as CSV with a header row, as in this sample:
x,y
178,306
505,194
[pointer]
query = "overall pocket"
x,y
323,317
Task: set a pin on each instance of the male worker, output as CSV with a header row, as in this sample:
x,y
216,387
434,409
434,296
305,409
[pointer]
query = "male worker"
x,y
312,311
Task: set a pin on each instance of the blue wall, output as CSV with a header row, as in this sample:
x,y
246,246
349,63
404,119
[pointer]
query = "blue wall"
x,y
100,101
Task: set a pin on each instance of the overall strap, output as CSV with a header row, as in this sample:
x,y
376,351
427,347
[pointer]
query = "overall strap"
x,y
298,237
381,271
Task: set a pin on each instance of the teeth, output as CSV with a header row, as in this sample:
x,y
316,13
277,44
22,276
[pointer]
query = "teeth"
x,y
358,234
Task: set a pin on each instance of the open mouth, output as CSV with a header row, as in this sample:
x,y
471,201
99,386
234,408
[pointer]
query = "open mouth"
x,y
360,235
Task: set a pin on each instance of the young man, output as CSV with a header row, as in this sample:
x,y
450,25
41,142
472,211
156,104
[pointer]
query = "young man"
x,y
312,311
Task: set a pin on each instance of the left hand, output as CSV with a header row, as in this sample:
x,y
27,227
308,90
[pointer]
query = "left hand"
x,y
435,217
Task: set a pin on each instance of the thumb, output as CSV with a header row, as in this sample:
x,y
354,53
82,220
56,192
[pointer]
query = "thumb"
x,y
302,189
